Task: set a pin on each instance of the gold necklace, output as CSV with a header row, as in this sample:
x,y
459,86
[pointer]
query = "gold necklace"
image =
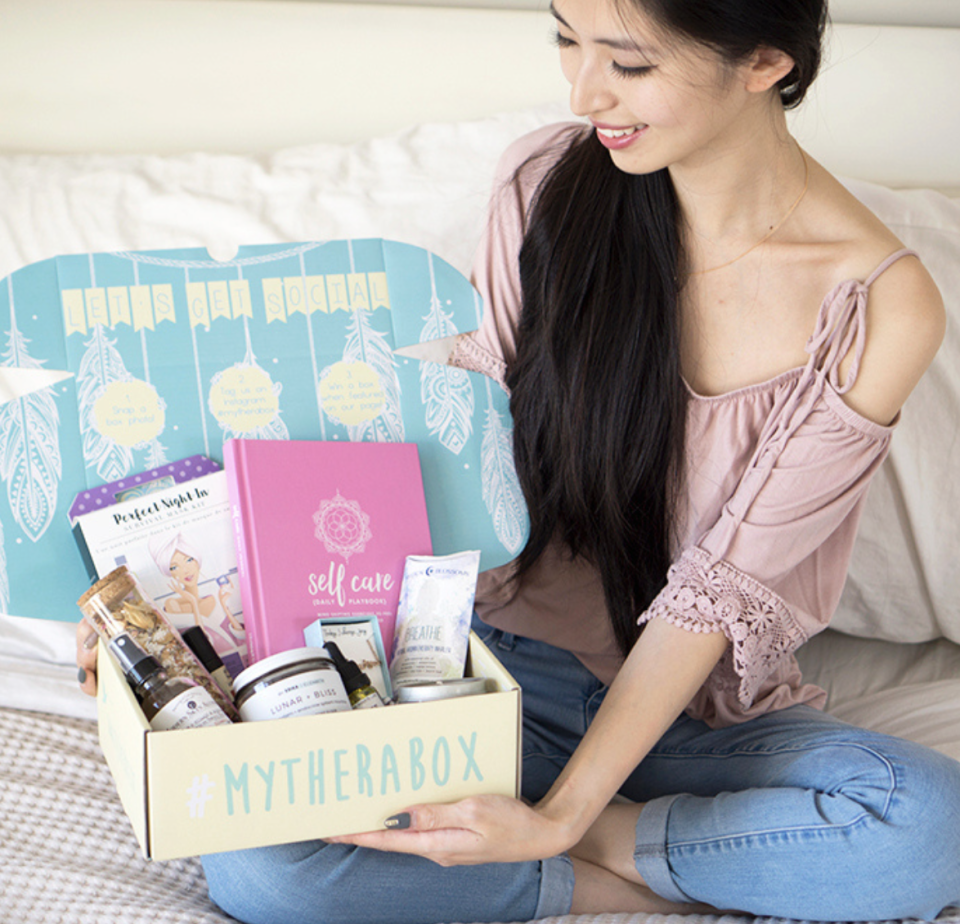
x,y
773,230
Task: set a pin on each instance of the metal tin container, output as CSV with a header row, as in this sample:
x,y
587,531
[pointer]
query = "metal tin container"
x,y
302,681
432,690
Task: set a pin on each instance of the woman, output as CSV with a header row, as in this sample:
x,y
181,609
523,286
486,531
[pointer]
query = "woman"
x,y
714,344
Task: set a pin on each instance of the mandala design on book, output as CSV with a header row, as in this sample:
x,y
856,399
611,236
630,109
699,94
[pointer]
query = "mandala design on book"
x,y
342,526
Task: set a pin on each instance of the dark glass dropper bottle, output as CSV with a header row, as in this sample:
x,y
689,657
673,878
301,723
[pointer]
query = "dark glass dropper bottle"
x,y
361,693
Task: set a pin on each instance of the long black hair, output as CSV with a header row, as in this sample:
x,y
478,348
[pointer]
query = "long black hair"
x,y
597,396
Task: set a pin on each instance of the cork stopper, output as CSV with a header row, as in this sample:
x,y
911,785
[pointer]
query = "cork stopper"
x,y
110,589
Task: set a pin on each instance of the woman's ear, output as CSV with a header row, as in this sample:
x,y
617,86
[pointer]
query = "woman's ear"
x,y
766,68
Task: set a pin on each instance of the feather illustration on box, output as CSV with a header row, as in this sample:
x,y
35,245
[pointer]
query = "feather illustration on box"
x,y
105,384
362,391
445,391
502,493
41,460
30,462
102,378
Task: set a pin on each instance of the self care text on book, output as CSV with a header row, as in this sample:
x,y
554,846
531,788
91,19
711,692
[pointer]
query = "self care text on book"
x,y
333,583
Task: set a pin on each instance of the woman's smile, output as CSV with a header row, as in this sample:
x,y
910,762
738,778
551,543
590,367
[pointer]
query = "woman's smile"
x,y
618,138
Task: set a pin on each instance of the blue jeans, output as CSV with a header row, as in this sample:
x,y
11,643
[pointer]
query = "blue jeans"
x,y
792,815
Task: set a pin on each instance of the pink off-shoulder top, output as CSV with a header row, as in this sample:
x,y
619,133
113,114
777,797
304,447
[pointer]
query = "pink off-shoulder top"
x,y
776,476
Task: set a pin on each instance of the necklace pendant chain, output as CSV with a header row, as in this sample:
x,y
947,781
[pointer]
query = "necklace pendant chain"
x,y
773,230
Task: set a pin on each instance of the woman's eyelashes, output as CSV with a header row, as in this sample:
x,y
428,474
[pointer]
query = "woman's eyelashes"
x,y
620,70
638,71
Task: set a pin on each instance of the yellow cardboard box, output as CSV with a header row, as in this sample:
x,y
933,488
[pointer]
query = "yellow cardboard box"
x,y
207,790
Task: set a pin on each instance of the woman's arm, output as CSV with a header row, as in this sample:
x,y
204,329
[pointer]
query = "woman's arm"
x,y
664,670
659,678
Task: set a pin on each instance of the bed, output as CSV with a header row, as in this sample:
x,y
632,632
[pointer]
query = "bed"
x,y
169,123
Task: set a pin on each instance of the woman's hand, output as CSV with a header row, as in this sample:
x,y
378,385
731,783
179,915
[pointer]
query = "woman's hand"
x,y
87,658
479,829
665,668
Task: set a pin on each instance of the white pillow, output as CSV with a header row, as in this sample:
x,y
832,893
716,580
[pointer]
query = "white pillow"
x,y
427,186
928,713
850,668
904,581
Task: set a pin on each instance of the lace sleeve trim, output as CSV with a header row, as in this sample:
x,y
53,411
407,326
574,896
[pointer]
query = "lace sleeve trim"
x,y
703,595
468,354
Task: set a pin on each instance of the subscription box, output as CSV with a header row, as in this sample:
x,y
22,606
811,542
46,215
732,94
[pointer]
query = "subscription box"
x,y
207,790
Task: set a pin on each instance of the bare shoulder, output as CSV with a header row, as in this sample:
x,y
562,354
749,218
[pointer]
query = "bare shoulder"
x,y
906,322
905,316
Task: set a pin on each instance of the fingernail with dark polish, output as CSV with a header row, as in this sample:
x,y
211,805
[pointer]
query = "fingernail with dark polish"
x,y
81,676
398,821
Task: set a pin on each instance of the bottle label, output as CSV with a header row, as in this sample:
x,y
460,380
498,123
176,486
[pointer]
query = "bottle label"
x,y
193,708
307,693
367,700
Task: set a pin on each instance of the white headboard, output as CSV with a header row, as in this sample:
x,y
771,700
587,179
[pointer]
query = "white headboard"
x,y
245,76
881,108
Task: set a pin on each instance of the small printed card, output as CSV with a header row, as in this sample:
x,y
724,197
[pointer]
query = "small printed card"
x,y
358,637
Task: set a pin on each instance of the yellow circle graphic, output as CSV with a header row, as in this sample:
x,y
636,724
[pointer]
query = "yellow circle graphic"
x,y
129,412
243,399
350,393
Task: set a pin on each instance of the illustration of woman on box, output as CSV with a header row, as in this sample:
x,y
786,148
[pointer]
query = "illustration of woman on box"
x,y
180,563
707,341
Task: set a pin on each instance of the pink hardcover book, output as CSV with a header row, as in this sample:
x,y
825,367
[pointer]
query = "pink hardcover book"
x,y
322,530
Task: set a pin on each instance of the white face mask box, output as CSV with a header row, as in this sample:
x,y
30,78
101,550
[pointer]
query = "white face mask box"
x,y
229,787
